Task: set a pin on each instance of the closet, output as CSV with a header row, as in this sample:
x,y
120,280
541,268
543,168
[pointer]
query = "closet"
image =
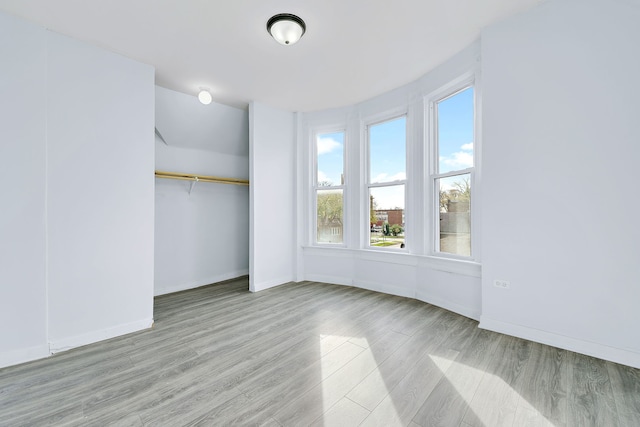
x,y
201,192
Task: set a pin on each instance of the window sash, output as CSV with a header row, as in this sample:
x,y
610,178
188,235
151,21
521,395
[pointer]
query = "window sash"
x,y
316,188
328,228
434,162
368,185
455,225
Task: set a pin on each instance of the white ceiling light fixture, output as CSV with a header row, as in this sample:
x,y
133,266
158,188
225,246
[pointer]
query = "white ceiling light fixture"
x,y
286,28
204,96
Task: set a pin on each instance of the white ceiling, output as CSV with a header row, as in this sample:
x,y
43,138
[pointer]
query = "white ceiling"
x,y
352,51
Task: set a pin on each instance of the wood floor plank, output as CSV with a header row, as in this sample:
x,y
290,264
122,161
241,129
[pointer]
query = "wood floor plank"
x,y
496,399
591,399
527,417
304,353
449,401
375,387
405,399
271,392
306,408
131,420
345,413
228,371
187,378
625,382
257,359
544,384
236,378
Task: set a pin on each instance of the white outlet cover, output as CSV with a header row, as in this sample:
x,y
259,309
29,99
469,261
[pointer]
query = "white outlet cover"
x,y
503,284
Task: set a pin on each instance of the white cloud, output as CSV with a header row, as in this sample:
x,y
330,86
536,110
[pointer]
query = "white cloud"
x,y
380,178
327,145
389,197
322,177
400,176
384,177
460,159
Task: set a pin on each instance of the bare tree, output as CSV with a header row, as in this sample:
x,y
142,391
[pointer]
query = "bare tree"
x,y
460,192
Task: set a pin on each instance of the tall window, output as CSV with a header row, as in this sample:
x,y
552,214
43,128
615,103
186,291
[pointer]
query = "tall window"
x,y
329,187
452,177
386,182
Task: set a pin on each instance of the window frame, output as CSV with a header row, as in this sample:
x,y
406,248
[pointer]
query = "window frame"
x,y
315,132
367,185
450,90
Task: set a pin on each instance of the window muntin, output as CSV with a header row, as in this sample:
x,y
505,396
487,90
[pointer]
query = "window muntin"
x,y
329,187
452,145
387,143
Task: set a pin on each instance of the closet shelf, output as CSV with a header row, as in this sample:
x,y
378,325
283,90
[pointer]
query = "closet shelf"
x,y
200,178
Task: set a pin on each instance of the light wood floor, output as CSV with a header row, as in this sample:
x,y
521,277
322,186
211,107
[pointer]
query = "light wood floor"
x,y
316,354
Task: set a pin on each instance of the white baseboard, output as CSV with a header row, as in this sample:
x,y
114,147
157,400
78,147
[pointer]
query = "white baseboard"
x,y
385,288
23,355
600,351
257,287
448,305
334,280
362,284
163,290
68,343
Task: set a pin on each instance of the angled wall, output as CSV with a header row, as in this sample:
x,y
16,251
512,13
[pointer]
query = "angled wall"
x,y
560,161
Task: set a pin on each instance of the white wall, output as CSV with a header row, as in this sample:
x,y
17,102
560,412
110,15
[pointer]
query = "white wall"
x,y
100,193
76,228
452,284
23,305
272,248
202,237
561,147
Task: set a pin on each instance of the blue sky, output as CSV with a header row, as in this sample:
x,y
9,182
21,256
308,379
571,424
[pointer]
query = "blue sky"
x,y
388,148
388,154
330,157
455,132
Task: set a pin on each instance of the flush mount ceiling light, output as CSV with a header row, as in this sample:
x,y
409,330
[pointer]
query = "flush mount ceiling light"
x,y
286,28
204,96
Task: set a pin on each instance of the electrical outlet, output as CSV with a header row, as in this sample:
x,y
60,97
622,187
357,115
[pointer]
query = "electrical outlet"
x,y
503,284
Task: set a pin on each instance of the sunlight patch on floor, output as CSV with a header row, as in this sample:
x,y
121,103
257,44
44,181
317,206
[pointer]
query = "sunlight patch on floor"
x,y
365,366
493,401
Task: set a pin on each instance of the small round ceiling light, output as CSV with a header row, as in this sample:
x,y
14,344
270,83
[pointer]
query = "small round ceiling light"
x,y
286,28
204,96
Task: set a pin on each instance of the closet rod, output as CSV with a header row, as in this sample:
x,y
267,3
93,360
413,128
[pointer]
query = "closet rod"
x,y
201,178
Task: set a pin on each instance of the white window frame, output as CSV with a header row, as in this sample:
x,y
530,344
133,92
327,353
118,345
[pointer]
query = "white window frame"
x,y
368,185
433,206
314,133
